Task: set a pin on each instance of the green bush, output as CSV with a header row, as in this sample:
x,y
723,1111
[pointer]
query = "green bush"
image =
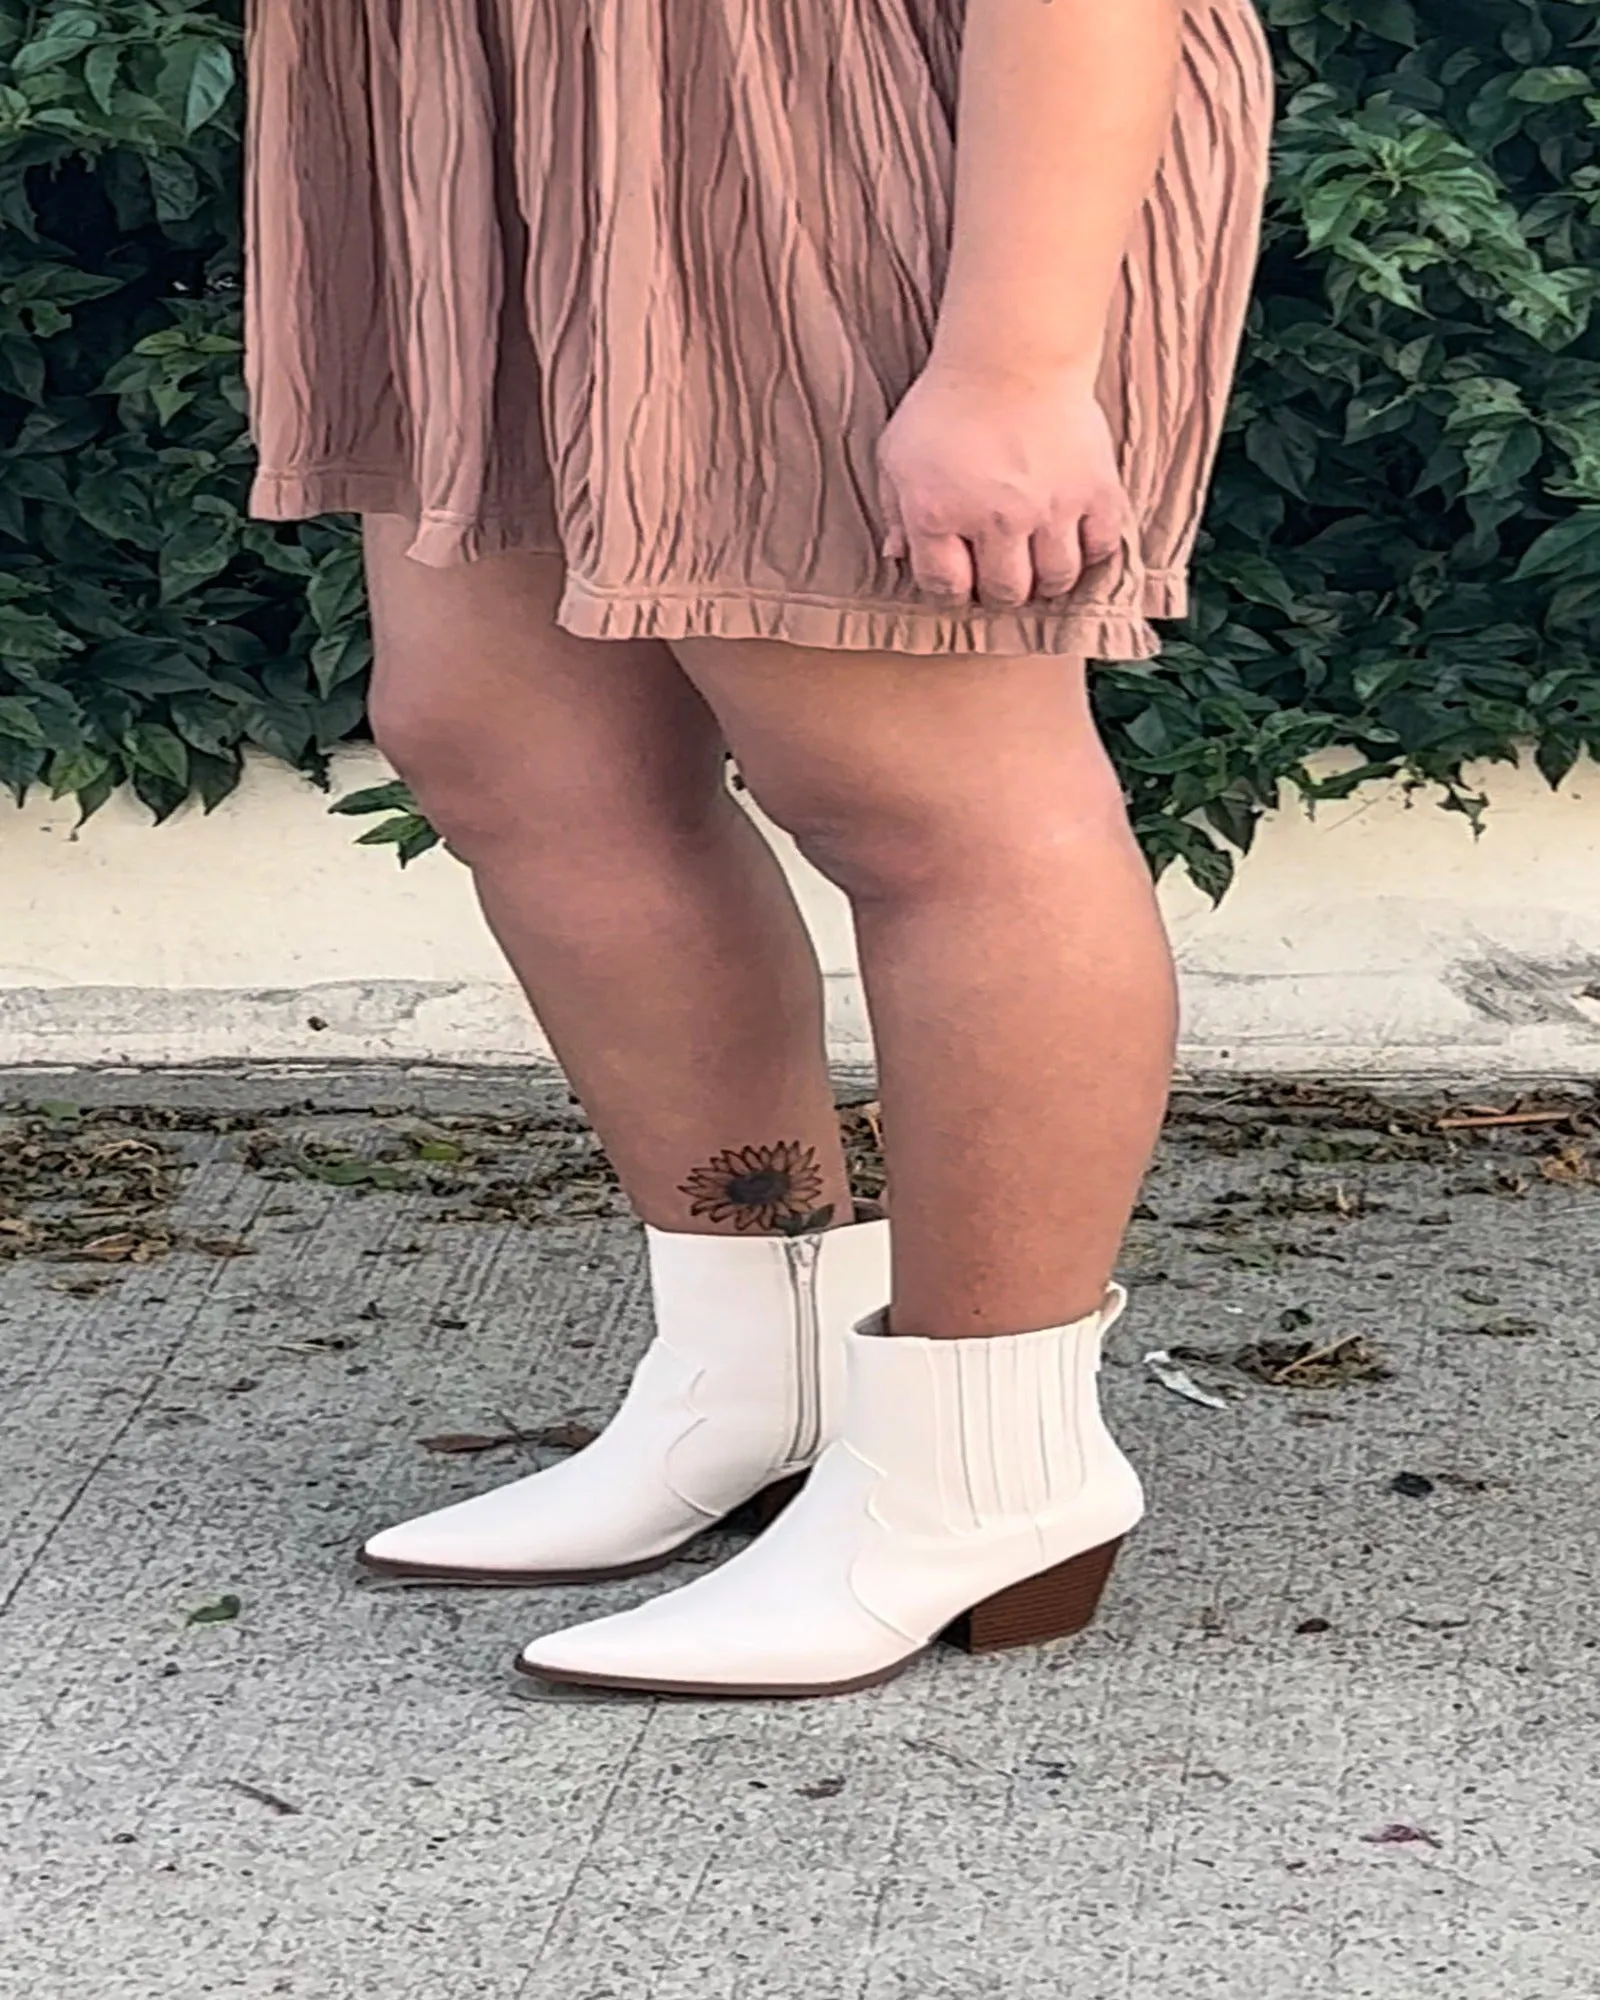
x,y
1402,552
148,631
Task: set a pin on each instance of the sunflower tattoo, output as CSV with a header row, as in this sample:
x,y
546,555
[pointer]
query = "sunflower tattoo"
x,y
760,1187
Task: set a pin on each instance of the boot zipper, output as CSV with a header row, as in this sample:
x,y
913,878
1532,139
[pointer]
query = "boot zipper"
x,y
801,1254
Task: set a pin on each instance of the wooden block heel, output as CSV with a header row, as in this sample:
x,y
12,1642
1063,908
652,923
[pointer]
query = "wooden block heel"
x,y
1051,1605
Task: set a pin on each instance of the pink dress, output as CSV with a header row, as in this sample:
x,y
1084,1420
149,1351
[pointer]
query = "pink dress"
x,y
639,282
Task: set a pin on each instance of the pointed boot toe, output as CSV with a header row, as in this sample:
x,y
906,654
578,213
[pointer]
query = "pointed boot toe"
x,y
516,1535
731,1404
586,1656
973,1494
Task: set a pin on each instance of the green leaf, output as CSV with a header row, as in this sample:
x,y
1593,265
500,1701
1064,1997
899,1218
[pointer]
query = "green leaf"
x,y
19,722
210,84
1210,868
337,592
64,40
361,1173
442,1150
75,770
100,70
392,797
421,840
201,548
221,1613
20,764
1393,20
1570,548
1550,86
22,366
391,830
174,185
338,657
1555,756
214,778
1284,446
151,747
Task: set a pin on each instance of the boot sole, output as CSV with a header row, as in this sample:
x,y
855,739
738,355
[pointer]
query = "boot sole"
x,y
1054,1604
760,1511
720,1689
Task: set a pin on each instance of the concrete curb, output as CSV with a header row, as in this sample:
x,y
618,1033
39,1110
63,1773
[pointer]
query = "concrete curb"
x,y
1377,940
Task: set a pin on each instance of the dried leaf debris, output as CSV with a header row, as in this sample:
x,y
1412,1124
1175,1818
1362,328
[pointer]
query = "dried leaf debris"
x,y
98,1185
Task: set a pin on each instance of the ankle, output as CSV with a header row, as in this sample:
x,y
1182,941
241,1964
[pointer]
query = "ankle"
x,y
941,1323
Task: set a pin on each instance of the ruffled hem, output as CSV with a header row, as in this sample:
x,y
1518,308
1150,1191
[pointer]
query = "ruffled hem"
x,y
1090,630
1085,631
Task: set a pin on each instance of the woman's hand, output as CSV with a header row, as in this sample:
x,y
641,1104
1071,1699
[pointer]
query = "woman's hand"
x,y
1001,482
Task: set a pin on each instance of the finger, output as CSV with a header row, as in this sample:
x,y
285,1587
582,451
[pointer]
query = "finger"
x,y
1057,558
1005,571
942,567
1102,528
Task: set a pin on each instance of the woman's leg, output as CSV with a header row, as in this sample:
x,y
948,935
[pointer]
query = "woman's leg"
x,y
1016,970
1021,998
581,782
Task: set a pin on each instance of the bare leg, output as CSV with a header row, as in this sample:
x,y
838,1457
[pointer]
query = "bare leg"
x,y
648,921
1019,981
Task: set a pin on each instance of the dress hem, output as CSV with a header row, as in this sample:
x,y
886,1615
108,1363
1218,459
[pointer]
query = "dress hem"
x,y
1089,630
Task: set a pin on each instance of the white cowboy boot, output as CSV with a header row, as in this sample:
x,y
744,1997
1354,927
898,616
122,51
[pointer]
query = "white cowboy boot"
x,y
974,1491
735,1397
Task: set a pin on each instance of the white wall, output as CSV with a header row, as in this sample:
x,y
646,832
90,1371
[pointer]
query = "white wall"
x,y
1379,939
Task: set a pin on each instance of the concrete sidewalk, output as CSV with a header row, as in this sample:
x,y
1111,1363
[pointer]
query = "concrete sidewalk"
x,y
1330,1737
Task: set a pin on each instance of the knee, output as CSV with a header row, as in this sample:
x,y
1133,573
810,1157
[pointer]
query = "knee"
x,y
449,758
429,738
917,846
495,784
875,851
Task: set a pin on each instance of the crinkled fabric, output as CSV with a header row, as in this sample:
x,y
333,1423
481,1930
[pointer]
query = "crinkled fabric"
x,y
639,282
